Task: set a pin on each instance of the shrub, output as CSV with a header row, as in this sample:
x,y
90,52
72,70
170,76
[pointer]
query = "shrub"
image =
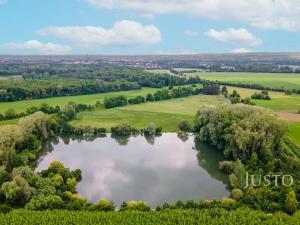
x,y
123,129
5,209
226,166
55,164
237,194
105,205
184,125
45,202
135,205
150,129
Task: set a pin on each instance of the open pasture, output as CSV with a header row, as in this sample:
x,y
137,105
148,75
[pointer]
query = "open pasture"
x,y
166,114
274,80
21,106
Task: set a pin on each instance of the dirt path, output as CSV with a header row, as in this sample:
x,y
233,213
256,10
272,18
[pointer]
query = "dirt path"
x,y
289,116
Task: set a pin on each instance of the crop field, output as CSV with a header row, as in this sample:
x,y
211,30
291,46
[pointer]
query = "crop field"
x,y
21,106
167,217
166,114
276,80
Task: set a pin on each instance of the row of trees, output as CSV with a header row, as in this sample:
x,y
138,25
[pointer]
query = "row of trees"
x,y
19,89
44,107
159,95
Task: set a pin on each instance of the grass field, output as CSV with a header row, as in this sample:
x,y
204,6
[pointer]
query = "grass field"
x,y
278,80
294,133
21,106
160,71
166,114
279,101
10,77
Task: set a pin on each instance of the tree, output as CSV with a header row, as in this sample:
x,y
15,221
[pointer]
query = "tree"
x,y
150,129
71,183
184,125
10,114
42,202
149,98
17,191
291,202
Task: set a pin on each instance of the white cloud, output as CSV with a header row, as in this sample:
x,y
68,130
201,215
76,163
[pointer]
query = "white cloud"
x,y
34,46
264,14
123,33
190,33
239,37
240,50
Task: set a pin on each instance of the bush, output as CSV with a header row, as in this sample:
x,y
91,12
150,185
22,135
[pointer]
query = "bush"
x,y
184,125
226,166
45,202
150,129
115,102
5,209
135,205
105,205
237,194
123,129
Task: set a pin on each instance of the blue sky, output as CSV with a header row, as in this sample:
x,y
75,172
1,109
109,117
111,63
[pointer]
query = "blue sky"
x,y
148,26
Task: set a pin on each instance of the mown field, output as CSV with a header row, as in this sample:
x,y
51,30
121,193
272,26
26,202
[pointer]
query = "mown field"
x,y
21,106
294,133
167,217
166,114
276,80
279,101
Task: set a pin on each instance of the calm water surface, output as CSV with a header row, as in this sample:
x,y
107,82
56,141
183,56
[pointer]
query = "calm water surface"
x,y
164,169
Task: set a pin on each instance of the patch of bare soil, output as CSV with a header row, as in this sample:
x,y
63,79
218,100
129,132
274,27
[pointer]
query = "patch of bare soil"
x,y
294,117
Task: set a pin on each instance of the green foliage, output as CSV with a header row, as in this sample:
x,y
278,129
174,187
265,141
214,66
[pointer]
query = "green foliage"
x,y
184,125
56,165
44,202
237,194
123,129
135,205
165,217
241,130
104,205
17,191
291,202
226,166
150,129
264,95
115,102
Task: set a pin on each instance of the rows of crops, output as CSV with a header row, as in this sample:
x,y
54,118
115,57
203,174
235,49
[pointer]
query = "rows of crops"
x,y
212,216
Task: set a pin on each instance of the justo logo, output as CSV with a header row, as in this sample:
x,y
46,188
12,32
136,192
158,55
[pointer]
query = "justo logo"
x,y
266,180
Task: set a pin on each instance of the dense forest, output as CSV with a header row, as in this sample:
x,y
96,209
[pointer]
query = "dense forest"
x,y
44,81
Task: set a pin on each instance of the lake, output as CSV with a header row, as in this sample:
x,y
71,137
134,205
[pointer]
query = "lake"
x,y
153,169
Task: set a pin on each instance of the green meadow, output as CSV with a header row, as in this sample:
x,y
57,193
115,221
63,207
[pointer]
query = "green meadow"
x,y
166,114
279,100
21,106
275,80
294,133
